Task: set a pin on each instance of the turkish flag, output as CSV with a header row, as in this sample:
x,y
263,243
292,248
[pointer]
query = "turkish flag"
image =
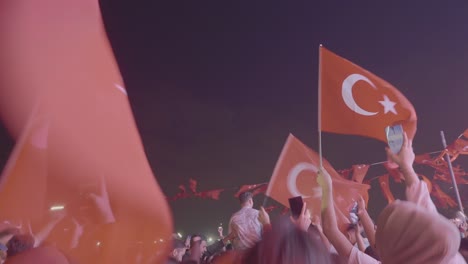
x,y
459,146
213,194
295,174
465,133
193,185
78,161
354,101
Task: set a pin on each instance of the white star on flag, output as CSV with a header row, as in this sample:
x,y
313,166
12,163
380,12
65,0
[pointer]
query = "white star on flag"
x,y
388,105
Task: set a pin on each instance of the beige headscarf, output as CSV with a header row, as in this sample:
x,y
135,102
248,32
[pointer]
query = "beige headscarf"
x,y
407,233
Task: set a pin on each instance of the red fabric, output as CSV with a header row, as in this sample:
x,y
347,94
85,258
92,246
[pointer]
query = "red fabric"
x,y
359,172
259,190
250,187
270,209
346,173
353,99
295,175
460,177
459,146
80,148
285,210
193,185
39,255
394,172
182,194
424,159
442,199
213,194
385,186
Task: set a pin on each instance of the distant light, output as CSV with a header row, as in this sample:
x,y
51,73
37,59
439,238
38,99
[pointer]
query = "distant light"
x,y
161,240
98,244
210,239
57,207
179,235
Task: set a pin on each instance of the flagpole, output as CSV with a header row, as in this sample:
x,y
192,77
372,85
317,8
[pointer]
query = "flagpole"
x,y
320,106
454,182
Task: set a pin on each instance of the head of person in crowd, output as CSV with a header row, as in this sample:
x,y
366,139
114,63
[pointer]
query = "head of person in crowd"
x,y
408,233
287,243
369,251
461,222
464,248
187,241
19,243
7,232
198,240
178,250
246,200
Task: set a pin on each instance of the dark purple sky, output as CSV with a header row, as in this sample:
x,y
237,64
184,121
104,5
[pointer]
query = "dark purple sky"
x,y
216,86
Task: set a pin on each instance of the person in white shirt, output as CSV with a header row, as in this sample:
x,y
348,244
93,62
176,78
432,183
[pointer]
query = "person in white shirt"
x,y
244,224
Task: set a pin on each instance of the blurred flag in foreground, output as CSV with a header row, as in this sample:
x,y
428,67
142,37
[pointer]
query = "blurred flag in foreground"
x,y
78,174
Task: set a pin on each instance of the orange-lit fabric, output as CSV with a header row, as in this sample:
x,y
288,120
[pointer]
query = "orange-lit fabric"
x,y
78,161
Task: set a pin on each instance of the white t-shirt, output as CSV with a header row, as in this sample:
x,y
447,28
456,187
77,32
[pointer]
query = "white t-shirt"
x,y
246,227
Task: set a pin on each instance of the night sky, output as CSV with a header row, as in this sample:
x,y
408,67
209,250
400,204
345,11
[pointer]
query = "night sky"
x,y
216,86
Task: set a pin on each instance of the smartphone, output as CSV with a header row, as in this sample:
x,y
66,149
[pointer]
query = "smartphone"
x,y
295,204
394,137
353,217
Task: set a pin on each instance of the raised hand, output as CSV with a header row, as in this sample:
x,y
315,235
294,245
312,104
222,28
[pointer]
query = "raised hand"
x,y
304,219
263,216
324,179
361,206
316,222
405,158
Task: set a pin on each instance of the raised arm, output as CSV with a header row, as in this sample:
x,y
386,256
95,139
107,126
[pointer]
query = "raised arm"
x,y
416,190
359,239
367,222
330,226
329,223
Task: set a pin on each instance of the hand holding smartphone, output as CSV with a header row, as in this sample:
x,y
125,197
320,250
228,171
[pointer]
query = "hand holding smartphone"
x,y
353,217
295,204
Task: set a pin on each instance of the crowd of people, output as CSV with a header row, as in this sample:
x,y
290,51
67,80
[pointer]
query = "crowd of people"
x,y
410,231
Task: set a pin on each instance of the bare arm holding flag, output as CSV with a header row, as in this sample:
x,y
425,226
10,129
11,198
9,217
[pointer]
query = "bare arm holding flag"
x,y
330,227
367,222
329,223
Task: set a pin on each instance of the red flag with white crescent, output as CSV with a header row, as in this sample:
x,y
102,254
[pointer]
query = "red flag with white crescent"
x,y
295,174
355,101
